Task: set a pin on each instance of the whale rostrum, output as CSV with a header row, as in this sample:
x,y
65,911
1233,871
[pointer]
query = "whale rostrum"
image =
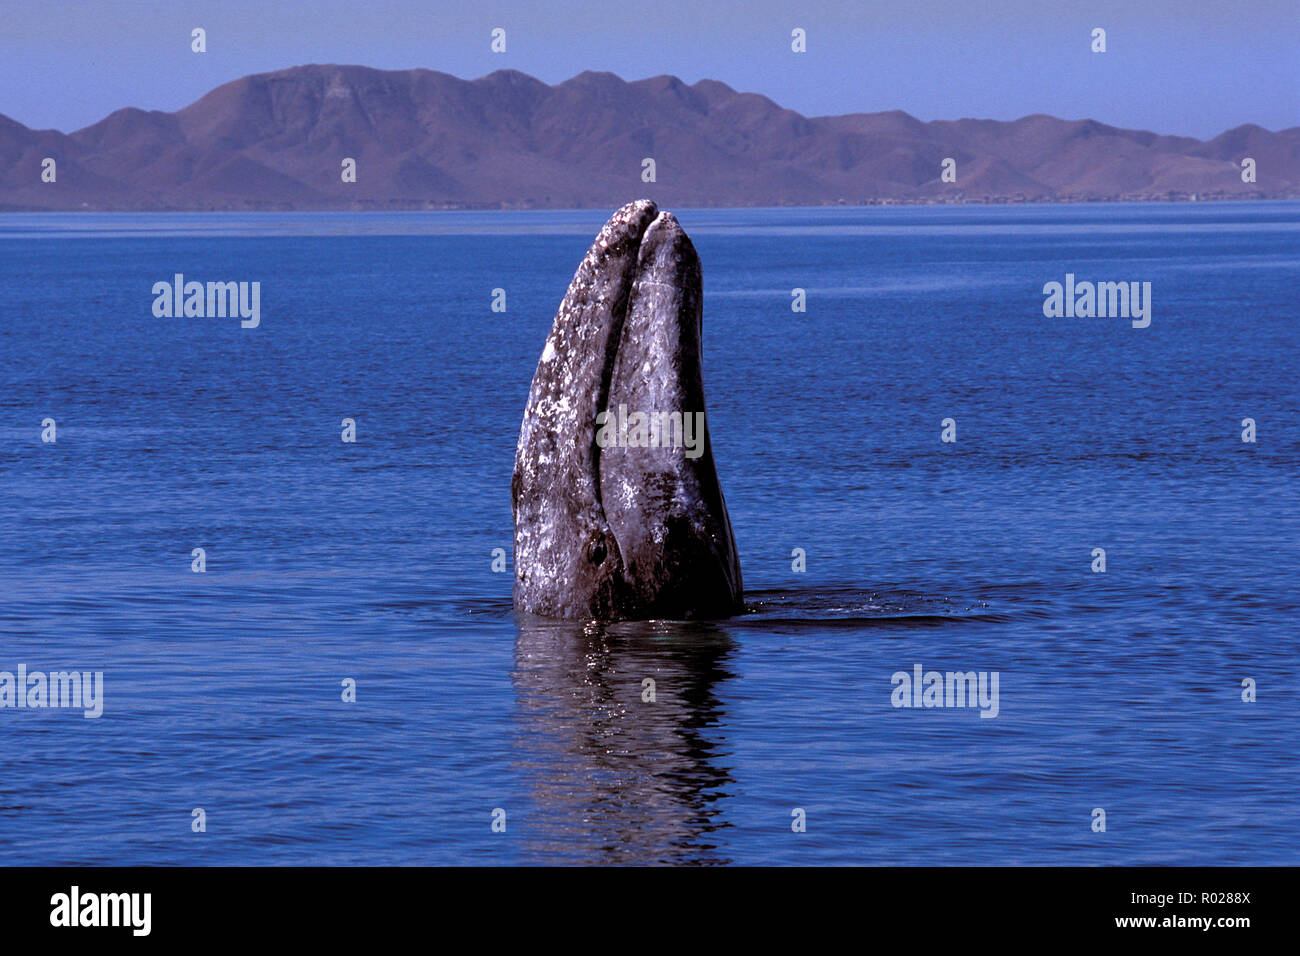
x,y
617,509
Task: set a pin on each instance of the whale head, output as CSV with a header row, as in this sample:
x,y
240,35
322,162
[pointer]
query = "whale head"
x,y
617,509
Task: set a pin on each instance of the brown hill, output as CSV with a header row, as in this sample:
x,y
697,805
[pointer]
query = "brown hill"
x,y
424,139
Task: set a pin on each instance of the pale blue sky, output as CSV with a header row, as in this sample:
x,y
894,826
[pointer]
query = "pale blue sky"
x,y
1193,67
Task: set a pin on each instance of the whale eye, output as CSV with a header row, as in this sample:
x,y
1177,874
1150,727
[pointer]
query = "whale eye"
x,y
596,552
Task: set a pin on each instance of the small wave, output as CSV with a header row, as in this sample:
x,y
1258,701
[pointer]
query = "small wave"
x,y
844,606
839,606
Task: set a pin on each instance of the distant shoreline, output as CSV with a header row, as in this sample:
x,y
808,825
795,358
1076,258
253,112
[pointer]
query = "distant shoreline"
x,y
596,207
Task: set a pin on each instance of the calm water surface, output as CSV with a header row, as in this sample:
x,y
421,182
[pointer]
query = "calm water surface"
x,y
373,560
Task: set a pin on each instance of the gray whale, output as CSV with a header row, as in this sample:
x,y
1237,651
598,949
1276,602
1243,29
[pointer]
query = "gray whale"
x,y
610,525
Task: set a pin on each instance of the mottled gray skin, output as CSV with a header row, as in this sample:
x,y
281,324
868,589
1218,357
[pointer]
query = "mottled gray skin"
x,y
665,508
619,533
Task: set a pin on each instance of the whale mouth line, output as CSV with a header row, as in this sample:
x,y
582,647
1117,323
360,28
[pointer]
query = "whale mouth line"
x,y
619,312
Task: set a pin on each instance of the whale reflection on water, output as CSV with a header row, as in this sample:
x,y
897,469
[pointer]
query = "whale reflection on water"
x,y
646,776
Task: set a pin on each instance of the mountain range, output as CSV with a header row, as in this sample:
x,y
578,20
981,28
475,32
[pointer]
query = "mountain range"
x,y
423,139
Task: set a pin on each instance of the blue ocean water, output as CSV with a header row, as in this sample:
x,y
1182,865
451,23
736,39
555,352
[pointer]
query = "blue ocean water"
x,y
372,561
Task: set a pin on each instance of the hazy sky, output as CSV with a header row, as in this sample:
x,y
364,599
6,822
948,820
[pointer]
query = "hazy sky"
x,y
1194,67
